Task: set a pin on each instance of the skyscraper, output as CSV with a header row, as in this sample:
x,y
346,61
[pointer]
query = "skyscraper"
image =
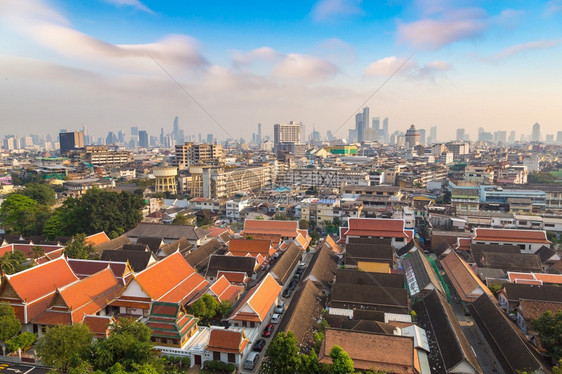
x,y
362,124
511,138
70,140
460,135
536,134
258,139
385,129
559,137
143,139
433,134
422,136
287,137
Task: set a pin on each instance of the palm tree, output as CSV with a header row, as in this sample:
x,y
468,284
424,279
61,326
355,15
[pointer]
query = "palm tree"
x,y
8,263
37,252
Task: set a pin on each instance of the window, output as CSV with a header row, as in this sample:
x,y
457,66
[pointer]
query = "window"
x,y
231,357
216,356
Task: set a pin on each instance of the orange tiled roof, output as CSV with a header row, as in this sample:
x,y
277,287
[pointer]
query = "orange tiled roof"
x,y
517,277
229,341
283,228
335,247
97,239
224,290
170,279
463,277
239,247
302,242
41,280
392,353
377,227
98,325
516,236
258,301
233,276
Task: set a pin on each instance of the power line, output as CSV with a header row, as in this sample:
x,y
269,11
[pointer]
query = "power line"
x,y
376,91
189,94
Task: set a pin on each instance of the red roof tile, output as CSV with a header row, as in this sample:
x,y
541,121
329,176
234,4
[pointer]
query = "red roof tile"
x,y
376,227
283,228
41,280
258,301
97,239
239,247
229,341
515,236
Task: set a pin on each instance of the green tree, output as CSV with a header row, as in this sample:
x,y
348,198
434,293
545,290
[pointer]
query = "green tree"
x,y
78,248
18,214
64,347
225,308
96,211
9,324
206,307
128,345
180,219
282,355
280,217
37,251
303,224
13,262
549,327
40,192
309,363
341,362
22,341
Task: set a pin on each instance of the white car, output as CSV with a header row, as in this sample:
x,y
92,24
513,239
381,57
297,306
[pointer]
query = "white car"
x,y
275,318
280,308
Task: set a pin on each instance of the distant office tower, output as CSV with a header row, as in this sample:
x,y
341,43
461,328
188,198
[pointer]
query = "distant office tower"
x,y
176,130
258,139
329,135
433,134
511,138
135,130
422,136
536,134
143,139
383,134
121,136
70,140
500,137
161,135
352,136
376,124
362,124
210,139
550,138
460,135
412,137
111,138
559,137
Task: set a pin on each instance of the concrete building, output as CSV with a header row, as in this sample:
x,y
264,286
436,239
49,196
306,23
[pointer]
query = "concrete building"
x,y
189,154
70,141
412,137
166,179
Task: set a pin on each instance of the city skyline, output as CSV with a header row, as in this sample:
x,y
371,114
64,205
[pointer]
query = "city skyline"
x,y
464,65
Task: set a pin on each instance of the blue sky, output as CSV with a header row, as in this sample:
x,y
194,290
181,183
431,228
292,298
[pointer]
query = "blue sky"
x,y
491,64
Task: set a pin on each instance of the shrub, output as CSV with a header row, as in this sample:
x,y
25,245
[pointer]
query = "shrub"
x,y
186,361
230,368
220,365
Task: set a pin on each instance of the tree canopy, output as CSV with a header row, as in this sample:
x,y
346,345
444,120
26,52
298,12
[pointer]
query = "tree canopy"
x,y
40,192
78,248
18,214
96,211
282,355
13,262
64,347
549,327
127,347
10,326
341,362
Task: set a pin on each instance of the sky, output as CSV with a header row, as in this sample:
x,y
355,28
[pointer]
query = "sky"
x,y
223,67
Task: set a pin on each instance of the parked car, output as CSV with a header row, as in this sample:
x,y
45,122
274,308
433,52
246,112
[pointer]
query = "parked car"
x,y
258,345
275,318
293,284
268,330
280,308
297,277
286,293
251,360
301,268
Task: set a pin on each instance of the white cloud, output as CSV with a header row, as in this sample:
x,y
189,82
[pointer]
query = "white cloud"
x,y
325,10
132,3
304,68
553,7
524,47
509,17
448,27
408,68
243,59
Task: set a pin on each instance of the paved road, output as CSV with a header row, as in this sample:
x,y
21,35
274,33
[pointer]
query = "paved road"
x,y
480,346
9,368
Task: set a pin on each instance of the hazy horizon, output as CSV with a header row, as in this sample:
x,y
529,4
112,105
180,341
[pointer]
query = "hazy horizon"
x,y
471,64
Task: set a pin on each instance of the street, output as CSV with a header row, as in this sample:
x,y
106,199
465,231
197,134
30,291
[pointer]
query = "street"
x,y
9,368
